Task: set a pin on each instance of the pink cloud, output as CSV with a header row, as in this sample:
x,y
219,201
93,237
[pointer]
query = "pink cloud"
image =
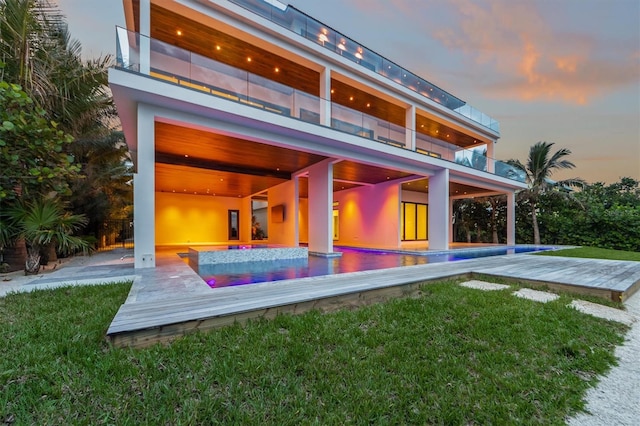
x,y
516,53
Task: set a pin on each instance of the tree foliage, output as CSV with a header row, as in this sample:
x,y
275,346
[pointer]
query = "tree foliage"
x,y
61,124
540,165
32,149
606,216
40,223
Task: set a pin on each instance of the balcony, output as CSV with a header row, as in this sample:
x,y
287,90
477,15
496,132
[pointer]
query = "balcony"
x,y
298,22
178,66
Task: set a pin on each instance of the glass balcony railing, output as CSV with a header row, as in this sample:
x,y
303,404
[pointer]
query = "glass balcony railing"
x,y
298,22
181,67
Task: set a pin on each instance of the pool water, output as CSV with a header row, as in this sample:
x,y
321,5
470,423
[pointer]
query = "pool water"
x,y
352,260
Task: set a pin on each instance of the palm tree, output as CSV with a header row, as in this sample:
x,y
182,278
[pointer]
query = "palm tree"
x,y
41,223
540,166
40,55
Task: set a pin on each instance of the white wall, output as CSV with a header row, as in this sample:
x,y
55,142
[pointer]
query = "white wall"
x,y
183,219
285,233
370,216
303,220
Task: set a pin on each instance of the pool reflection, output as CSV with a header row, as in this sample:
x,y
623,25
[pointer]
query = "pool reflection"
x,y
352,260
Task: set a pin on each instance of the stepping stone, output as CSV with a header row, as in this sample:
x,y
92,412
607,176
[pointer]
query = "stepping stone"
x,y
535,295
483,285
600,311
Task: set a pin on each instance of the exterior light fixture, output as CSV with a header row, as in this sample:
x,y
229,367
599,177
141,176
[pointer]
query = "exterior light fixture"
x,y
218,47
179,32
249,59
323,37
341,45
277,69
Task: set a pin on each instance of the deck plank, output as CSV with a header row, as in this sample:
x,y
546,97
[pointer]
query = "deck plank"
x,y
143,322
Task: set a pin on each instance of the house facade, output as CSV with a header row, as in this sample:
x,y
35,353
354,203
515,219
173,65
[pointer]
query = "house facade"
x,y
246,115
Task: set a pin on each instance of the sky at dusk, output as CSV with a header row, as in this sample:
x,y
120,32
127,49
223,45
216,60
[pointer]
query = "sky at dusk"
x,y
563,71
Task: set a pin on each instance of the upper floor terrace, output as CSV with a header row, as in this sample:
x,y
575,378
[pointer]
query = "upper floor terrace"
x,y
211,57
302,24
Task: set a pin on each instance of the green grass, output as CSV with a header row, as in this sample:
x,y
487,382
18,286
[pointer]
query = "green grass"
x,y
451,356
593,253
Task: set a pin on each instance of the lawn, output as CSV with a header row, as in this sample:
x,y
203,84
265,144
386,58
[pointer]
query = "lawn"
x,y
593,253
451,356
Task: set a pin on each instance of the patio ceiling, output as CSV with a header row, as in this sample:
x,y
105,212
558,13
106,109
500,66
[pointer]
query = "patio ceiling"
x,y
193,161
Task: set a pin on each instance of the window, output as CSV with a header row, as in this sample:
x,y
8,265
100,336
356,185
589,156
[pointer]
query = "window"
x,y
414,219
234,224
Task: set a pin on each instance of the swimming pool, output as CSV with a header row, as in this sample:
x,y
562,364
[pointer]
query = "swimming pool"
x,y
352,260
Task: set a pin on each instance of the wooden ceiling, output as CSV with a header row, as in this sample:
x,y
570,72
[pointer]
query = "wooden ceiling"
x,y
229,152
349,96
212,43
354,172
195,161
437,130
422,185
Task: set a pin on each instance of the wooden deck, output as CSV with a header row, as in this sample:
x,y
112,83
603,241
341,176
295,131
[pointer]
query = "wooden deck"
x,y
141,323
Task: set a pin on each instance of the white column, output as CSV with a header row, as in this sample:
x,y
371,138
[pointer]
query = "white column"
x,y
321,207
451,212
410,124
325,97
296,210
439,219
144,218
511,218
490,157
145,33
246,212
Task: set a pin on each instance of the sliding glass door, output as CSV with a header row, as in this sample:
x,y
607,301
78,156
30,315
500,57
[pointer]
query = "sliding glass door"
x,y
414,218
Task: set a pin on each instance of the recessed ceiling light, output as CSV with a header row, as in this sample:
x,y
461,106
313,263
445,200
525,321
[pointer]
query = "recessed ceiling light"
x,y
218,47
249,59
186,156
351,98
368,105
277,69
179,32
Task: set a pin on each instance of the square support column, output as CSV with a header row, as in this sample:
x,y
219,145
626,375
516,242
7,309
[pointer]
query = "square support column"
x,y
410,128
451,212
439,218
144,205
145,33
325,97
491,167
511,218
321,207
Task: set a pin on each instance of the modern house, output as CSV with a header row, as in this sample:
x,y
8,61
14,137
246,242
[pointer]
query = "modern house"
x,y
237,109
